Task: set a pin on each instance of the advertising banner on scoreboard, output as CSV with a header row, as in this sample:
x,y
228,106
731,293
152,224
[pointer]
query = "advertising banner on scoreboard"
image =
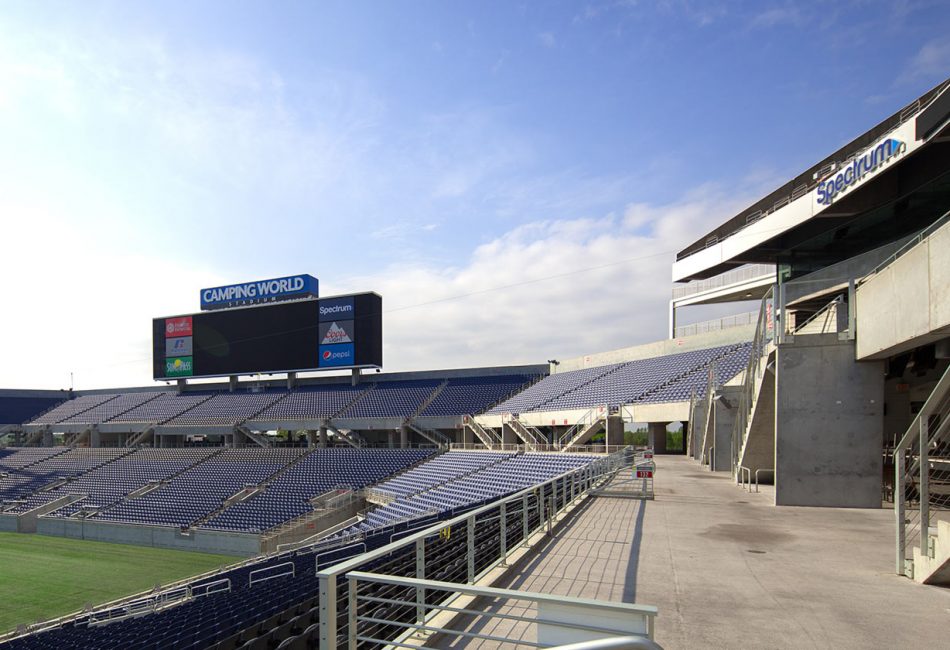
x,y
335,356
334,308
290,336
337,331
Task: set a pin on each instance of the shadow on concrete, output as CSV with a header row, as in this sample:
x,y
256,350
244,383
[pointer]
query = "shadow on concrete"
x,y
630,578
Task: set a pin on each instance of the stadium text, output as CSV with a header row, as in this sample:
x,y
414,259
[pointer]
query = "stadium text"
x,y
261,291
857,169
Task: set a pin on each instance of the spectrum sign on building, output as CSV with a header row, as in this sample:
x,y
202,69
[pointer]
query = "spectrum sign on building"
x,y
287,335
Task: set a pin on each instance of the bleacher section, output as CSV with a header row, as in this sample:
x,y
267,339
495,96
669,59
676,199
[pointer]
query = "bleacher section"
x,y
14,458
286,608
459,479
226,408
108,484
392,399
23,481
72,408
112,408
161,409
383,399
322,470
312,403
659,379
472,395
202,489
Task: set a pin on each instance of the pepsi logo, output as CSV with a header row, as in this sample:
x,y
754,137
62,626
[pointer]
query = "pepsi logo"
x,y
326,354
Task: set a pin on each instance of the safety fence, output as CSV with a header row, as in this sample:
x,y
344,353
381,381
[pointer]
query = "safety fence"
x,y
458,551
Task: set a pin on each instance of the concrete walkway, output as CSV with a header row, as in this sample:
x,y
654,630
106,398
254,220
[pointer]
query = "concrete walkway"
x,y
728,569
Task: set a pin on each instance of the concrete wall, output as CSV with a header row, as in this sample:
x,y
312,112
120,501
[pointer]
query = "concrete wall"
x,y
829,425
206,541
723,422
905,305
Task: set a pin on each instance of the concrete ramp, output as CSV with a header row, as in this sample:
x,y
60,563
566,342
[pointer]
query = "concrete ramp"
x,y
933,568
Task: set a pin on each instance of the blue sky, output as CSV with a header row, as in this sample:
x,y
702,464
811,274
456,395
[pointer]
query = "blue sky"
x,y
425,150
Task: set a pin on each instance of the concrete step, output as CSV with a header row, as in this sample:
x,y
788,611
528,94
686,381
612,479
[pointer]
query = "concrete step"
x,y
935,569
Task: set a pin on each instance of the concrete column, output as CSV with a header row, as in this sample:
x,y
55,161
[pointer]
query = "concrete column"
x,y
508,436
403,437
829,424
468,437
391,438
95,439
656,436
323,441
47,438
614,434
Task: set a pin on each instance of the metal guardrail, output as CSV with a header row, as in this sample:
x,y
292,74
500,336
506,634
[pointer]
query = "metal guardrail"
x,y
460,550
555,617
903,250
765,333
748,272
716,324
804,188
922,476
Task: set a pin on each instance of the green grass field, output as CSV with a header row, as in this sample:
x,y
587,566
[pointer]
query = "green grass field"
x,y
44,577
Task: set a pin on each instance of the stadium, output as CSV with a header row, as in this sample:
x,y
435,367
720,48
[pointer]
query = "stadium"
x,y
804,500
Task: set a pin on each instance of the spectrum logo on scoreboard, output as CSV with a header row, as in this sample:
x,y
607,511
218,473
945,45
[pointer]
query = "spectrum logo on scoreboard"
x,y
342,354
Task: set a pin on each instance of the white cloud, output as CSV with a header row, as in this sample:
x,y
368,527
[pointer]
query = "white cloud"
x,y
559,287
932,60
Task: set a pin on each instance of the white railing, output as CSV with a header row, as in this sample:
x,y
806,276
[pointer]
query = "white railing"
x,y
554,618
742,274
501,528
716,324
922,476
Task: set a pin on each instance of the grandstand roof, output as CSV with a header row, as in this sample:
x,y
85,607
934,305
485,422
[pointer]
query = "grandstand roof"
x,y
900,197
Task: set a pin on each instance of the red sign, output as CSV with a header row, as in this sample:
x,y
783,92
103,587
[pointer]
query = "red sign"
x,y
177,327
644,473
648,454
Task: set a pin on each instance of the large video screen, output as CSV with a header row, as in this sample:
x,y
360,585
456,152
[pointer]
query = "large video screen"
x,y
325,334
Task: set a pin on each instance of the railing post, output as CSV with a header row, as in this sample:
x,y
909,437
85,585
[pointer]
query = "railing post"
x,y
524,520
351,614
420,574
470,550
899,511
328,611
852,311
924,465
503,532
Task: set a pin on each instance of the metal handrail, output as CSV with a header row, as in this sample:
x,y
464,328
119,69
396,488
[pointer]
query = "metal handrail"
x,y
903,250
573,485
716,324
622,611
916,445
748,272
765,331
837,300
614,643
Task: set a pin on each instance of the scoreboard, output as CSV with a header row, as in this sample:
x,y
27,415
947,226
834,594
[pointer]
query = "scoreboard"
x,y
314,334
